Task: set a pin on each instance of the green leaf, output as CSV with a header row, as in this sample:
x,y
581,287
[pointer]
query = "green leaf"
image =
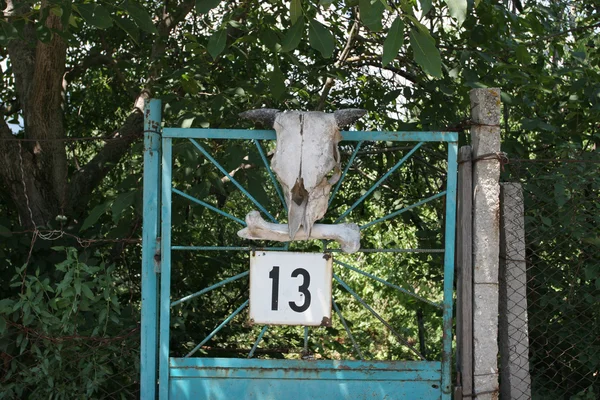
x,y
293,36
65,15
425,6
187,122
87,292
276,83
141,18
523,55
122,201
393,41
371,14
547,221
217,43
94,215
295,10
321,39
6,306
425,53
4,231
130,28
458,10
77,285
189,84
95,14
204,6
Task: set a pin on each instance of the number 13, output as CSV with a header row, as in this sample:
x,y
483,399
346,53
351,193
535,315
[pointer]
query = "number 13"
x,y
274,275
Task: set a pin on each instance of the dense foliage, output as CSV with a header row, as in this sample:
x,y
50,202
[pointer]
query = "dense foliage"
x,y
70,216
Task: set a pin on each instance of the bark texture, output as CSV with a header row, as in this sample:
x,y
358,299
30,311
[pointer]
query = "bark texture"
x,y
35,172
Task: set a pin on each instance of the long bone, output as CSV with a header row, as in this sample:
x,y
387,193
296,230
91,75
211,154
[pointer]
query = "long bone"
x,y
347,235
306,154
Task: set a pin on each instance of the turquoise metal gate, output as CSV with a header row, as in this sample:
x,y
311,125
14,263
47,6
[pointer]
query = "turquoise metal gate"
x,y
182,374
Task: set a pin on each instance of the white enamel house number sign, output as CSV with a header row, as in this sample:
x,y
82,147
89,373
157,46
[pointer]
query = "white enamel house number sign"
x,y
290,288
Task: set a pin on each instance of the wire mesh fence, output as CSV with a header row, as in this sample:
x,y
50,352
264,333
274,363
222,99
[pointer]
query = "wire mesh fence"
x,y
552,280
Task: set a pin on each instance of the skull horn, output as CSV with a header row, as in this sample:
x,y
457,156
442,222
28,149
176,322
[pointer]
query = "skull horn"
x,y
347,117
264,116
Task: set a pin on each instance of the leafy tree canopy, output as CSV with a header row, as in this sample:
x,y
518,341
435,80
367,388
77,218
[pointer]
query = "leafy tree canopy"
x,y
75,75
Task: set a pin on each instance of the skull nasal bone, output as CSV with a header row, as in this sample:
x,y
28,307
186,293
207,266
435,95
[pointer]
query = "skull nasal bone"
x,y
299,192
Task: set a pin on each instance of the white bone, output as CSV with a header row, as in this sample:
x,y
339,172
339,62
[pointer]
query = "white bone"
x,y
306,152
347,235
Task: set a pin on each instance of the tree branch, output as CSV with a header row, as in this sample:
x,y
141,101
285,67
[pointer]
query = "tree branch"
x,y
341,59
360,62
565,32
85,180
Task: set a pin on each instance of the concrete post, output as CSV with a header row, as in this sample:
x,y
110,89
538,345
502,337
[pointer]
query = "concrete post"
x,y
514,333
485,139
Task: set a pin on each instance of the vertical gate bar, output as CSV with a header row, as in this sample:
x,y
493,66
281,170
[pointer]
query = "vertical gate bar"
x,y
449,237
306,340
150,229
165,276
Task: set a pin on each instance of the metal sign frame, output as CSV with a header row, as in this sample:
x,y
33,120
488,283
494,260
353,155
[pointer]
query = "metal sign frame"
x,y
224,378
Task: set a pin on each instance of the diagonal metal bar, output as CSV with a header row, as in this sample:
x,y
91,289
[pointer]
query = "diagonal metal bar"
x,y
270,171
354,344
260,335
232,179
401,289
210,207
398,212
350,161
376,315
218,328
379,182
208,289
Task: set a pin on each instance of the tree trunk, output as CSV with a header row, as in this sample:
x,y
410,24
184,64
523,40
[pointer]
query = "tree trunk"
x,y
35,172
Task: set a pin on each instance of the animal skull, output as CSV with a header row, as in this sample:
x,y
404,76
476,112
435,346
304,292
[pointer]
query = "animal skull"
x,y
306,154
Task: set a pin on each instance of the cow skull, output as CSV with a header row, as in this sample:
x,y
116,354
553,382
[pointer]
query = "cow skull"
x,y
306,159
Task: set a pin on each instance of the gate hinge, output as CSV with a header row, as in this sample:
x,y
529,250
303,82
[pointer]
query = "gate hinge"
x,y
157,257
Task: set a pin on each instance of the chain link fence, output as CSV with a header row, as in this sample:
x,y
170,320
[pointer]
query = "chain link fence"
x,y
550,325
